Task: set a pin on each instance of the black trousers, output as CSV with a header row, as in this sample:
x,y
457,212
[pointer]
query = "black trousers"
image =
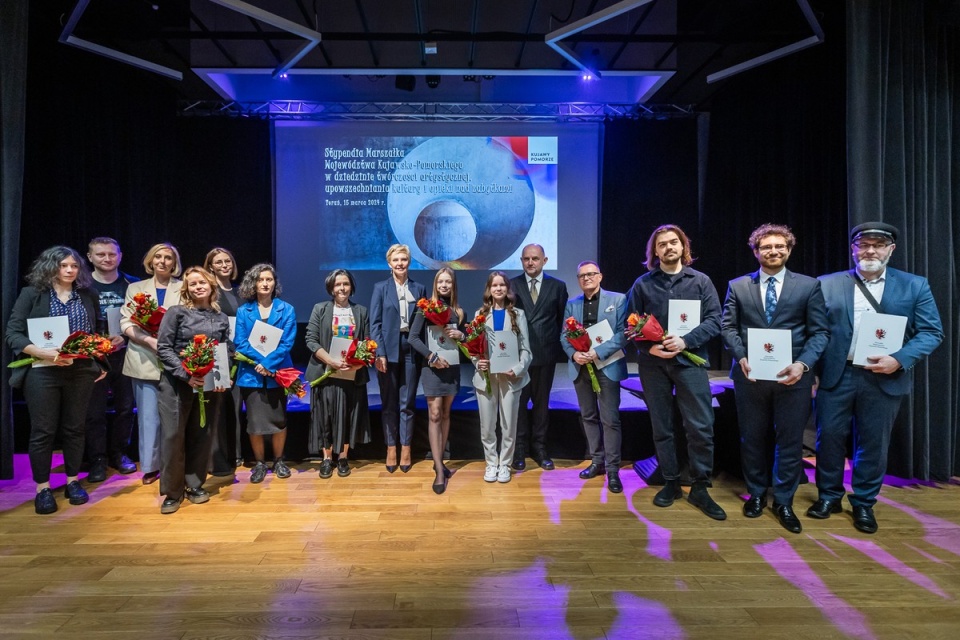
x,y
57,400
112,442
532,425
184,444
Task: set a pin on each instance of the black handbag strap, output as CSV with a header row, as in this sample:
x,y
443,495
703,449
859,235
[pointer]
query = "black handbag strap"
x,y
866,294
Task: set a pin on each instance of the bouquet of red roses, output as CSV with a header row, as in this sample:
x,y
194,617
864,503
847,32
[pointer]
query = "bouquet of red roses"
x,y
436,311
289,379
146,314
474,343
197,360
79,345
578,338
360,352
647,327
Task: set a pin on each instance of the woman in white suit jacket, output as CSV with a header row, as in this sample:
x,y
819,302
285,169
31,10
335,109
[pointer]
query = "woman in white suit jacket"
x,y
141,363
503,400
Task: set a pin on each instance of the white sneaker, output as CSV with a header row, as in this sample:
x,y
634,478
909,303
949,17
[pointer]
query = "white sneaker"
x,y
490,475
503,475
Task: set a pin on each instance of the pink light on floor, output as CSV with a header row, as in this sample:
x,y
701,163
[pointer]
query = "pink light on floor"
x,y
939,532
791,567
886,559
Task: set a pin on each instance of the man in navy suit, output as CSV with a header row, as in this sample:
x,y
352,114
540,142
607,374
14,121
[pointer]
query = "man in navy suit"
x,y
601,426
774,298
865,400
398,368
543,300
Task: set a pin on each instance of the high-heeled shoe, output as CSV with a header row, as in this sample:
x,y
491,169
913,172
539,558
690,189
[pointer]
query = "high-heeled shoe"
x,y
391,467
446,472
405,455
439,486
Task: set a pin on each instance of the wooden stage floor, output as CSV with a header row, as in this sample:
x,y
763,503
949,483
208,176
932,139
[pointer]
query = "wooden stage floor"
x,y
547,556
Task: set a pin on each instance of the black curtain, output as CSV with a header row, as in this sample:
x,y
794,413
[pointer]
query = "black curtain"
x,y
903,167
13,85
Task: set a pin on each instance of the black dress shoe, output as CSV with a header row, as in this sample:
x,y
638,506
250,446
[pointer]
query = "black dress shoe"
x,y
326,468
439,484
753,508
701,500
122,464
787,518
592,471
613,482
198,495
823,507
446,472
98,470
170,505
542,459
75,493
44,502
405,467
671,491
519,464
864,520
391,468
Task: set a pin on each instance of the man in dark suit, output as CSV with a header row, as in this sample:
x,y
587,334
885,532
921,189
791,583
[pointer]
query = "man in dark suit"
x,y
774,298
398,368
667,376
601,424
542,299
865,400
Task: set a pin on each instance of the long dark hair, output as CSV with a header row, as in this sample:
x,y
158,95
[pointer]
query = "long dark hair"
x,y
46,268
510,299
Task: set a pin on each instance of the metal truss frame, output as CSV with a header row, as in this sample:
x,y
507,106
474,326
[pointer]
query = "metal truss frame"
x,y
433,111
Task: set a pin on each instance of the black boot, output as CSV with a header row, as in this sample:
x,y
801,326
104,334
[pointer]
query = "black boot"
x,y
701,500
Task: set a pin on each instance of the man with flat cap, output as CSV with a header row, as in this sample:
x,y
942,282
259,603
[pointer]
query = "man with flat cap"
x,y
865,399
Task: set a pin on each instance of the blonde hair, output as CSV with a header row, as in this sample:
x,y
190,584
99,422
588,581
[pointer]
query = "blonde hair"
x,y
187,300
152,252
397,248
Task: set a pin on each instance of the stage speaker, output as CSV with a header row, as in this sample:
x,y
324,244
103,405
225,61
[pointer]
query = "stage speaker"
x,y
406,83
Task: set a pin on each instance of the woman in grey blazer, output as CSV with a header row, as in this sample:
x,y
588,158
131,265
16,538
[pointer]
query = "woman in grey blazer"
x,y
141,363
339,413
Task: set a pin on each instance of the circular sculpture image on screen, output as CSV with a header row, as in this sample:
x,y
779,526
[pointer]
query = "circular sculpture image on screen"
x,y
467,203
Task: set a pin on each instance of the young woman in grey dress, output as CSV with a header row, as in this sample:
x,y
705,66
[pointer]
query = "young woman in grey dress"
x,y
440,379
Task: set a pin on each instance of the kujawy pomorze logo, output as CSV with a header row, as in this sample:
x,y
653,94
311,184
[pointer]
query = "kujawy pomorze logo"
x,y
768,347
880,333
683,317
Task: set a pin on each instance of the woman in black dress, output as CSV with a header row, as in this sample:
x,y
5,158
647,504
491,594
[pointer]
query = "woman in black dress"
x,y
440,379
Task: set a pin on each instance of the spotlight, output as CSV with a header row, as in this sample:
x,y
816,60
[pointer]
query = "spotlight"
x,y
469,78
489,77
406,83
283,76
433,81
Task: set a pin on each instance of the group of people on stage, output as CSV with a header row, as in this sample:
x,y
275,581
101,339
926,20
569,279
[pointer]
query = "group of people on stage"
x,y
820,319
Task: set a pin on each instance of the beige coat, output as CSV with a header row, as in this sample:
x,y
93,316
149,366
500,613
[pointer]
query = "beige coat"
x,y
141,362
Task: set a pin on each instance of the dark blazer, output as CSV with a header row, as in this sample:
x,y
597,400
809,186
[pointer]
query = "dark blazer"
x,y
545,318
33,303
613,309
385,316
800,308
320,333
904,294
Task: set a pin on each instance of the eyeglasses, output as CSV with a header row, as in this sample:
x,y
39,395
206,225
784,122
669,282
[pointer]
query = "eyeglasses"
x,y
767,248
588,276
876,246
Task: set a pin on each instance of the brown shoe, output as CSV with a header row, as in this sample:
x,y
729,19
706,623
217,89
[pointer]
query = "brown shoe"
x,y
150,477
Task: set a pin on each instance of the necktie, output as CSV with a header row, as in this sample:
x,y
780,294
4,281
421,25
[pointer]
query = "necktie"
x,y
771,299
533,290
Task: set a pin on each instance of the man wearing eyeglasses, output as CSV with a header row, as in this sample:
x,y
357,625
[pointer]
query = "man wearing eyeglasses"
x,y
599,413
774,298
865,399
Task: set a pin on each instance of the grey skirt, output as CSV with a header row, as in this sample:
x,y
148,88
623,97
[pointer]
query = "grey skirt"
x,y
266,410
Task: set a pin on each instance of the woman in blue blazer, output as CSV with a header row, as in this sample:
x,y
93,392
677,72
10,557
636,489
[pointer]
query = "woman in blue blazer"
x,y
264,398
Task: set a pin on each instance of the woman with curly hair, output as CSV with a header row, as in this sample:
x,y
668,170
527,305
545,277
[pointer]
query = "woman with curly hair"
x,y
56,389
264,398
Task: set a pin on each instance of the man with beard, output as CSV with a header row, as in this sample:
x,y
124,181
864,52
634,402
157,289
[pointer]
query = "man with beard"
x,y
663,373
865,400
774,297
